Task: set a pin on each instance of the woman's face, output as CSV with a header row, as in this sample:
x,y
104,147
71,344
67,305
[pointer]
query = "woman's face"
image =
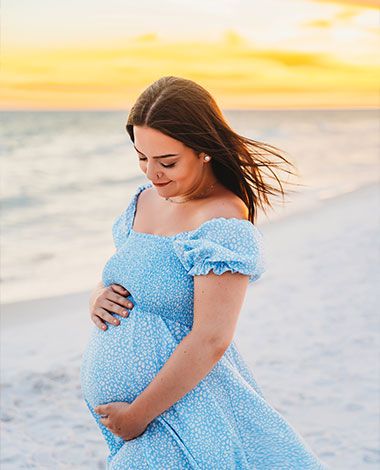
x,y
178,165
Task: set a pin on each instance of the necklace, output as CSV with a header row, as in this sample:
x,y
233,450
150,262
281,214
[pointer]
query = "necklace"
x,y
199,196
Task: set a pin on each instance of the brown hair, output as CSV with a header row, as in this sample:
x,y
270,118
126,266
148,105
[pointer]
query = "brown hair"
x,y
185,111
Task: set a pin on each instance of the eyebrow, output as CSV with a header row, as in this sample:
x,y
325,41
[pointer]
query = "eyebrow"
x,y
159,156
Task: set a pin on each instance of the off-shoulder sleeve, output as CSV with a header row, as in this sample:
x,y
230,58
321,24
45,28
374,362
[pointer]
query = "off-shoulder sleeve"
x,y
123,222
222,245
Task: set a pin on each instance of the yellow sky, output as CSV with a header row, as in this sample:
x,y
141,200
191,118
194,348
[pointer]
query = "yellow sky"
x,y
313,53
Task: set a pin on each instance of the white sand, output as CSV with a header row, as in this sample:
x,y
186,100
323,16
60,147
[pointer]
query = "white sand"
x,y
308,329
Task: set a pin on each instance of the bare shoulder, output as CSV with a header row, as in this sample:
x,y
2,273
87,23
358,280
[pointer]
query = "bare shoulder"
x,y
148,193
227,204
147,198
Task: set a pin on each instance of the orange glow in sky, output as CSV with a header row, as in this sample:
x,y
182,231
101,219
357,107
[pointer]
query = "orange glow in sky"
x,y
294,54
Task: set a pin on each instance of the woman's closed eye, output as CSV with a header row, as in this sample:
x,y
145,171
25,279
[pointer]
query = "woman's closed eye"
x,y
165,166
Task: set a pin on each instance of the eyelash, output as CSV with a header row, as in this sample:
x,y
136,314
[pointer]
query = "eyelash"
x,y
165,166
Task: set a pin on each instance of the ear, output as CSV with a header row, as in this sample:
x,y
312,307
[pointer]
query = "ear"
x,y
201,155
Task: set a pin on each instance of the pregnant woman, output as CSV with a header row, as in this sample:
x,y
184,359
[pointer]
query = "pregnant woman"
x,y
164,380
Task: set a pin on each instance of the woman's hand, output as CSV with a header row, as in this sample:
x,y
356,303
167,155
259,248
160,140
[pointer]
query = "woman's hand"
x,y
122,420
107,300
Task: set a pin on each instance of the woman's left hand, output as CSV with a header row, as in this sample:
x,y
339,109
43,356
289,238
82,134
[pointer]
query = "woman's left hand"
x,y
120,419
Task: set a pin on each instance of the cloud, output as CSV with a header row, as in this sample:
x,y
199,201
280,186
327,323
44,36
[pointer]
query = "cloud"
x,y
346,15
238,73
357,3
323,24
233,38
149,37
288,58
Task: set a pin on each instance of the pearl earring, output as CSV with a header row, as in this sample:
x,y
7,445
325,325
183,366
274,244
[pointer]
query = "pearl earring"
x,y
207,158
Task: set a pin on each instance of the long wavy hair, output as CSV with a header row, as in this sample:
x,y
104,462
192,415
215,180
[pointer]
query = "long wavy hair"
x,y
185,111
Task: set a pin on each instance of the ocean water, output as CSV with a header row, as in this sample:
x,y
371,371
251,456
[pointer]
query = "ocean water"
x,y
65,176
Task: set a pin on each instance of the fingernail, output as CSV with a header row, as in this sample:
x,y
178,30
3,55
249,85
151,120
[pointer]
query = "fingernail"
x,y
125,313
116,321
130,305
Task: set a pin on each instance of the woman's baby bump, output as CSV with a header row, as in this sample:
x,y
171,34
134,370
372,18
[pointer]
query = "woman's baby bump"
x,y
121,361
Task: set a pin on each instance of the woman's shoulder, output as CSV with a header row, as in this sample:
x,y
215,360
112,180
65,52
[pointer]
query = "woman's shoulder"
x,y
225,240
223,211
144,192
225,205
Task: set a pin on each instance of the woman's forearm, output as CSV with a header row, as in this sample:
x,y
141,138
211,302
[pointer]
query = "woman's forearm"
x,y
191,361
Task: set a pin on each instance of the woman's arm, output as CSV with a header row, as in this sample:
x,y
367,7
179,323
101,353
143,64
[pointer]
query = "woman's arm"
x,y
215,319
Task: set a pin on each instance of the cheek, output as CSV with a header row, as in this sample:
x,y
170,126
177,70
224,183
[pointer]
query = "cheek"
x,y
183,171
178,174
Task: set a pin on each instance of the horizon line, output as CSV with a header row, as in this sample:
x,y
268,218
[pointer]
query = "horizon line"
x,y
97,110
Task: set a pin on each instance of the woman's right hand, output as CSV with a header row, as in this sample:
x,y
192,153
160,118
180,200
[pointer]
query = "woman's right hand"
x,y
107,300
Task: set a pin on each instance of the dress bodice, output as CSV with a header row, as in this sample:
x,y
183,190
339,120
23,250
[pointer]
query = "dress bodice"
x,y
158,270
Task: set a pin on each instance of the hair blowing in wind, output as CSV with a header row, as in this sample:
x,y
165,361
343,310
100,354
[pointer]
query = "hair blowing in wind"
x,y
185,111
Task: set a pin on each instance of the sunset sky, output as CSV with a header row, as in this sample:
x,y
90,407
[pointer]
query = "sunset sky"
x,y
90,54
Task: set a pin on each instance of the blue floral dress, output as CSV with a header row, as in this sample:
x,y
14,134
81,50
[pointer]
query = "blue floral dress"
x,y
222,423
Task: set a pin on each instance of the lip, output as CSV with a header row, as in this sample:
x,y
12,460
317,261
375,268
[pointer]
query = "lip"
x,y
161,184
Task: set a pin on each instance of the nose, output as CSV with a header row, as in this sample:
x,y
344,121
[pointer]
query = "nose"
x,y
152,171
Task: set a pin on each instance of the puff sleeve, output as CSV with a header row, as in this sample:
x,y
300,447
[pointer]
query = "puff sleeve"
x,y
119,229
222,245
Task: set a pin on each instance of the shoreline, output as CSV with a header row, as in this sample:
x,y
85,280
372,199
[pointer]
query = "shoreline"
x,y
290,212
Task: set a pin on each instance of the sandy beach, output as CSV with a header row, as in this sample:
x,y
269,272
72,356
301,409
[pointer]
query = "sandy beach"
x,y
309,330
